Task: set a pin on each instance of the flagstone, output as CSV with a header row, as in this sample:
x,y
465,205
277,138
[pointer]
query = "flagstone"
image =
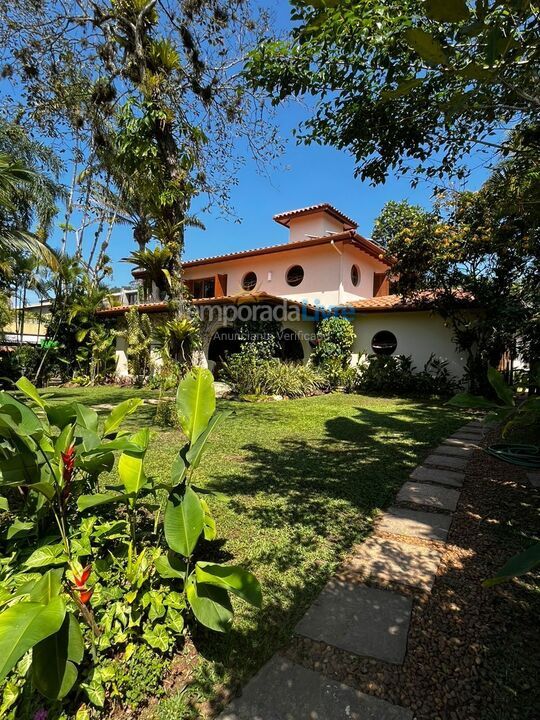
x,y
415,523
362,620
283,690
461,442
437,475
434,496
446,461
455,450
392,561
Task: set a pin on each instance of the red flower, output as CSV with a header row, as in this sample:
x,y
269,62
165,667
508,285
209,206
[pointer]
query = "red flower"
x,y
80,581
68,458
85,596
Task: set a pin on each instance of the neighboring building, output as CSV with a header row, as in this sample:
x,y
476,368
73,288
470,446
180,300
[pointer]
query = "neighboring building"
x,y
325,264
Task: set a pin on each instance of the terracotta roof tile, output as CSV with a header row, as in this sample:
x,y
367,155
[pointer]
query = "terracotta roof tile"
x,y
350,236
284,217
397,303
238,299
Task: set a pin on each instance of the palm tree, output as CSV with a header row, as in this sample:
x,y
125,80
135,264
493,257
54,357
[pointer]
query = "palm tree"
x,y
14,176
154,263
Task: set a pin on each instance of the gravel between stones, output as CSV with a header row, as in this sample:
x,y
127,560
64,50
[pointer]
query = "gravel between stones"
x,y
472,652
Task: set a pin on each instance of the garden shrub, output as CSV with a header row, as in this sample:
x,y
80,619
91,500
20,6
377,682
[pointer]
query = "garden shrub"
x,y
396,375
250,375
333,352
94,576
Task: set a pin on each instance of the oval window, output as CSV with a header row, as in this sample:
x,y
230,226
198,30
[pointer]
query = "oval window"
x,y
384,342
249,281
355,275
295,275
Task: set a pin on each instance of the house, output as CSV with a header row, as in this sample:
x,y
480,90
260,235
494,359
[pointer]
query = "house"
x,y
323,266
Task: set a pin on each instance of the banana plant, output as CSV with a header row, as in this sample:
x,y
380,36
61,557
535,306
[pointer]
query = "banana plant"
x,y
187,516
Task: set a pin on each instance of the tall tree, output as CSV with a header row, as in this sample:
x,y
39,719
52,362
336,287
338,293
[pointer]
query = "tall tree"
x,y
409,83
143,92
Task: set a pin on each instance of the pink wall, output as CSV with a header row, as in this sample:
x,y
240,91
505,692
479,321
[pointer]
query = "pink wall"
x,y
315,225
326,273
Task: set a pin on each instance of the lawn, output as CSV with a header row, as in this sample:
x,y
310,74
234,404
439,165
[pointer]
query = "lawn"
x,y
304,480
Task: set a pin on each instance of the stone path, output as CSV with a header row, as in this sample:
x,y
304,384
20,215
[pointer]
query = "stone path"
x,y
362,610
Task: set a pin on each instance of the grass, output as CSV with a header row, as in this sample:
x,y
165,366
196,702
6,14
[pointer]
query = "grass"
x,y
304,480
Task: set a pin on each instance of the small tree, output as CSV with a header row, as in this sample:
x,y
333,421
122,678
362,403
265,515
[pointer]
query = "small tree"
x,y
138,336
333,353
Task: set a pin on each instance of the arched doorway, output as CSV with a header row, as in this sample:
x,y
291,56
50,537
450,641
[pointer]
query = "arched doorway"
x,y
290,345
224,342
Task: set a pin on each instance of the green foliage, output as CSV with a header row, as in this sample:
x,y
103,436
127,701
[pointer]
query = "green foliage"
x,y
404,84
250,375
513,413
333,352
87,579
138,337
396,375
393,218
520,564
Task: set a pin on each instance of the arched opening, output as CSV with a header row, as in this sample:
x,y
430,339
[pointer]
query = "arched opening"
x,y
225,342
290,345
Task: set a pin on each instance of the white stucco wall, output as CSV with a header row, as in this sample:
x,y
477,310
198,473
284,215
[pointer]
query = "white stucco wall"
x,y
418,334
315,225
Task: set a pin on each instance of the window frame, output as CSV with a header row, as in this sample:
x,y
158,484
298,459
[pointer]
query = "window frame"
x,y
293,267
384,353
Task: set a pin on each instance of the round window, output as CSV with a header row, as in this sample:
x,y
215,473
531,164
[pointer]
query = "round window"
x,y
295,275
355,275
384,342
249,281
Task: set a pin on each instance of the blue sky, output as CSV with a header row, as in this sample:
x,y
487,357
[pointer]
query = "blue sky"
x,y
304,175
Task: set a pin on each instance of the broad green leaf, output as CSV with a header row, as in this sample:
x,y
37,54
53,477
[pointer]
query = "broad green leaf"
x,y
209,522
170,566
86,417
19,469
131,464
179,467
519,564
19,528
447,10
87,501
157,637
53,660
119,443
196,449
196,402
4,505
23,626
183,521
466,400
45,488
61,415
30,390
426,46
211,605
175,620
119,413
48,587
96,692
25,417
47,555
232,578
65,439
504,391
9,697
